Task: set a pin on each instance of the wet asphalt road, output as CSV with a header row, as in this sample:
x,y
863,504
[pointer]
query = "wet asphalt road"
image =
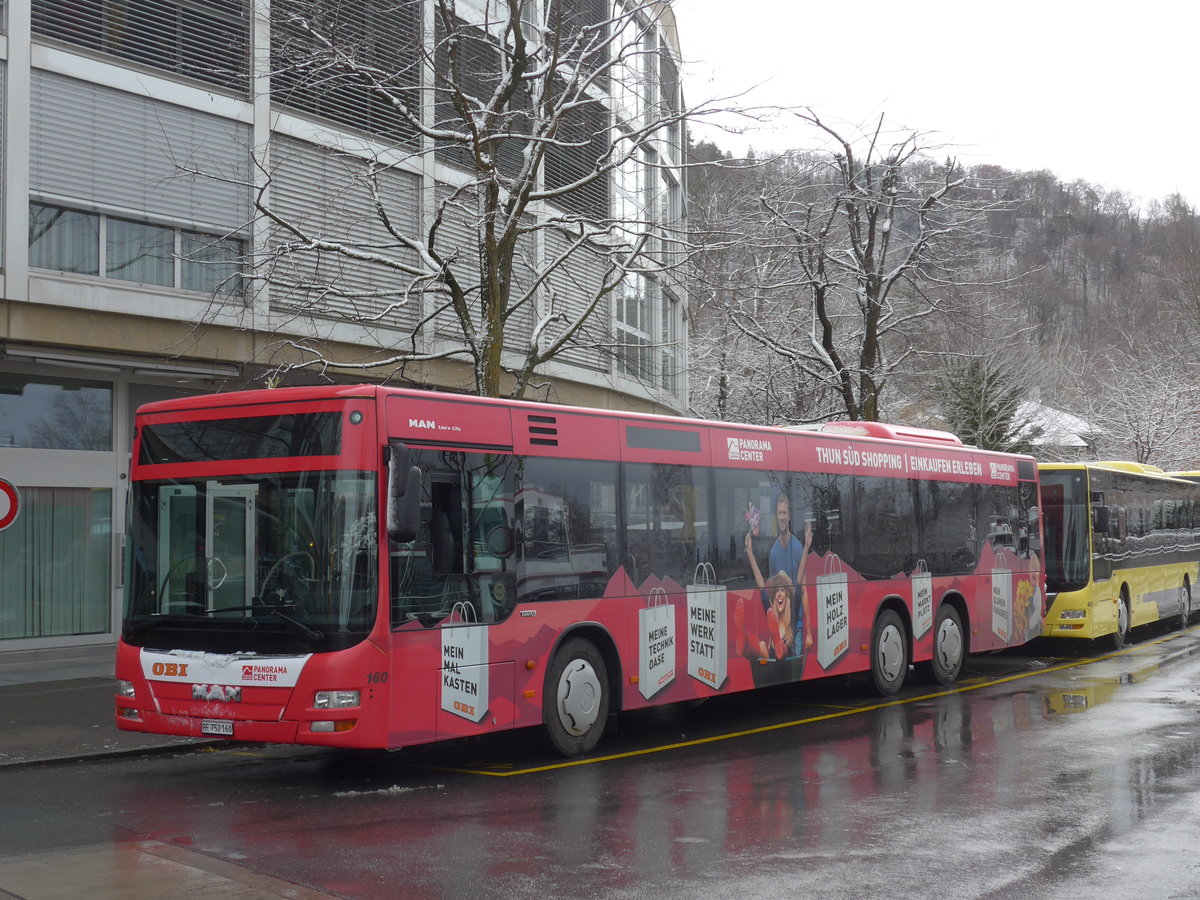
x,y
1041,775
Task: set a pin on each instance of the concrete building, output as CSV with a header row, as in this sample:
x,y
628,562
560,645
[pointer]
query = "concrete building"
x,y
136,137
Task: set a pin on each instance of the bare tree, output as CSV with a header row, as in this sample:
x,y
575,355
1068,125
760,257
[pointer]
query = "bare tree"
x,y
851,253
518,175
1146,412
1181,257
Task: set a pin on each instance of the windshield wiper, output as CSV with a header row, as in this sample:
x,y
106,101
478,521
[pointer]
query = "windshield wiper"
x,y
308,630
154,621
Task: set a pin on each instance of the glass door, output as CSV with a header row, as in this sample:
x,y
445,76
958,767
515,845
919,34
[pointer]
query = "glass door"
x,y
229,542
178,563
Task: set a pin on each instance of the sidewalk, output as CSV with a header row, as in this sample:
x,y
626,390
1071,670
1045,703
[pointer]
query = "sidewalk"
x,y
65,713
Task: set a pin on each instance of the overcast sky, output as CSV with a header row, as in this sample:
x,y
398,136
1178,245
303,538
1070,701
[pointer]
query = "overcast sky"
x,y
1101,91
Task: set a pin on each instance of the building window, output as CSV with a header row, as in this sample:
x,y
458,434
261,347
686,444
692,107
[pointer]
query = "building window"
x,y
139,252
41,413
208,40
634,350
584,137
210,264
349,61
671,354
66,240
56,559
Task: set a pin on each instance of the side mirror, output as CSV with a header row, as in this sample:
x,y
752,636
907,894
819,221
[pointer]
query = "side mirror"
x,y
500,542
404,495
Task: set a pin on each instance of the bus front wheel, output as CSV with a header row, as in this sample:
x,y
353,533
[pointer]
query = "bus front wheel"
x,y
575,698
889,653
1118,636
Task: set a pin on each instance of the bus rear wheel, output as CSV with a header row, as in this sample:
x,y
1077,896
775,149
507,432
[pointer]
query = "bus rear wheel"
x,y
1185,604
889,653
949,648
575,697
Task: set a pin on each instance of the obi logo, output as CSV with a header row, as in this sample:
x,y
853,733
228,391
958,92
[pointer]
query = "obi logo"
x,y
170,670
465,708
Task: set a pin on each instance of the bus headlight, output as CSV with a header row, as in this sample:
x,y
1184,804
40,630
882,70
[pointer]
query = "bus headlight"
x,y
124,688
1074,614
336,699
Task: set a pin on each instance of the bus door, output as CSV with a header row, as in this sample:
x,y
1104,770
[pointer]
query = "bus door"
x,y
229,542
178,556
427,573
455,579
207,564
466,538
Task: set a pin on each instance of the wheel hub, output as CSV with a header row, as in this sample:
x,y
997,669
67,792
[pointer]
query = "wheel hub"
x,y
948,645
891,653
578,697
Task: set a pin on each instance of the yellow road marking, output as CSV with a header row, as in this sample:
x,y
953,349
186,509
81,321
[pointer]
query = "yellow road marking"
x,y
764,729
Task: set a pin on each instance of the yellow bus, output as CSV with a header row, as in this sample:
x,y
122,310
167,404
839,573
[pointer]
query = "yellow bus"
x,y
1122,548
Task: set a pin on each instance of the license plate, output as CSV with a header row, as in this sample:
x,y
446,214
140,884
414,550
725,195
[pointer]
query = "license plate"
x,y
221,727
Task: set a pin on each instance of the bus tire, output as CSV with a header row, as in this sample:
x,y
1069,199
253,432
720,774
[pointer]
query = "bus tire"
x,y
889,653
949,648
1118,637
1185,604
575,698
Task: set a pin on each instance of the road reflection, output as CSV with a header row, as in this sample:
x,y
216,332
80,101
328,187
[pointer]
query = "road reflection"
x,y
1021,780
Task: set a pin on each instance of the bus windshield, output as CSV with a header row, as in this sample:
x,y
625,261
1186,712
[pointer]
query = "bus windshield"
x,y
272,563
1065,523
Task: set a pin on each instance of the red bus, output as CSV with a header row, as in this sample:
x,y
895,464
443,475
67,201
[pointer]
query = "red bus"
x,y
376,567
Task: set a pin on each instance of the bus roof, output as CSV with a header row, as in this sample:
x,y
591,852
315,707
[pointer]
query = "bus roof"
x,y
892,433
837,431
1116,465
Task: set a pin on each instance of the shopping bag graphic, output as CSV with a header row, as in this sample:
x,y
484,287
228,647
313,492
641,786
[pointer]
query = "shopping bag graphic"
x,y
656,647
1002,604
922,592
833,612
708,642
465,664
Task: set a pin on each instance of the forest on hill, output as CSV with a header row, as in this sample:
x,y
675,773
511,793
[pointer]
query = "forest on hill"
x,y
870,280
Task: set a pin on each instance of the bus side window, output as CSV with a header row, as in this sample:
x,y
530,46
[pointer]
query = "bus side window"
x,y
566,535
666,521
884,516
948,526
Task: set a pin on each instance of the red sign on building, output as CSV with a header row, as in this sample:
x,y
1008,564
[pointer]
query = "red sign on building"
x,y
10,504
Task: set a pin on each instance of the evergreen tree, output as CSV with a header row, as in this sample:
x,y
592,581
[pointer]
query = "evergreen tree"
x,y
982,405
